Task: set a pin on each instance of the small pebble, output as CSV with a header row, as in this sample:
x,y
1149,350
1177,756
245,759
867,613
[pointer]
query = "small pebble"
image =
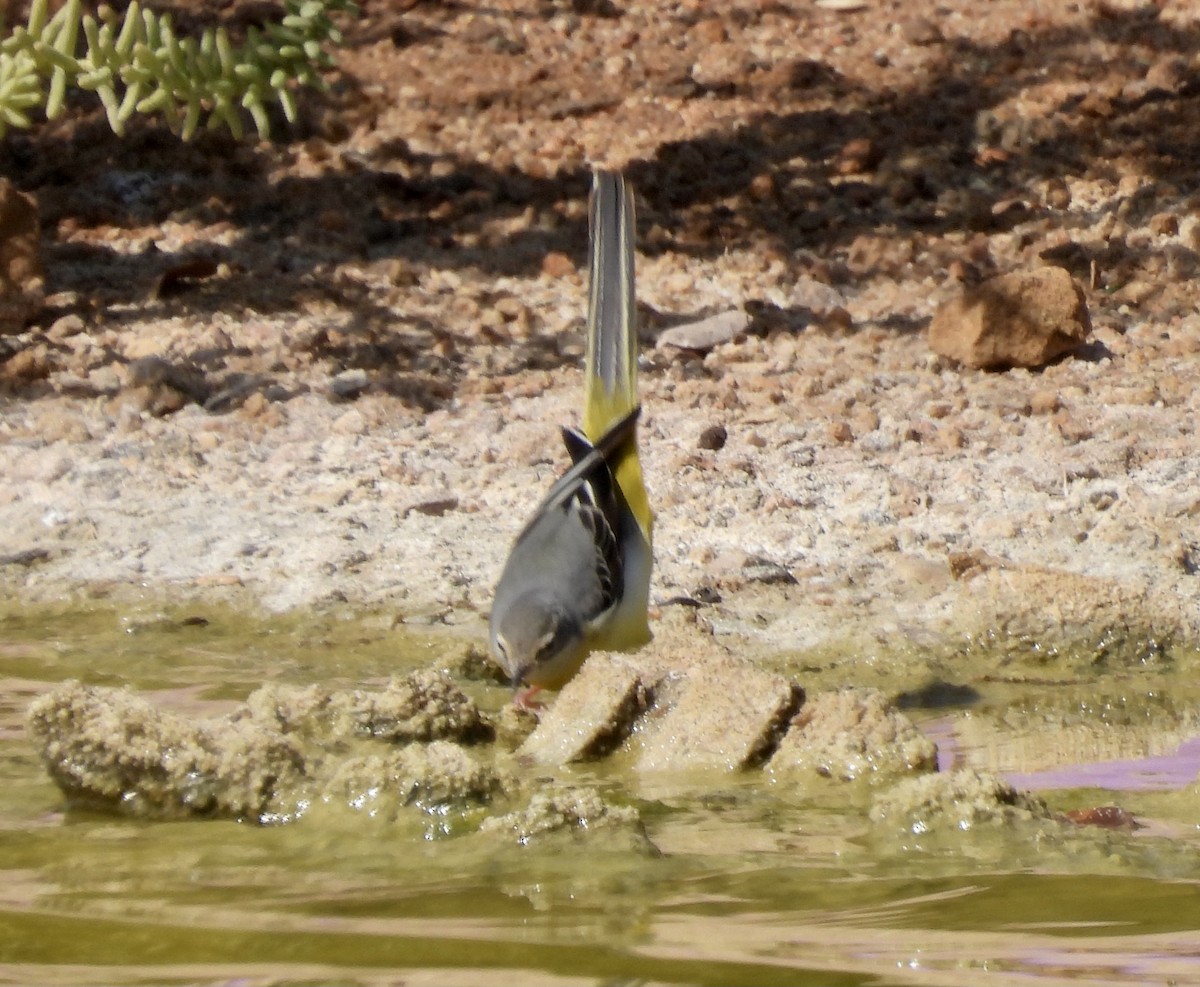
x,y
713,438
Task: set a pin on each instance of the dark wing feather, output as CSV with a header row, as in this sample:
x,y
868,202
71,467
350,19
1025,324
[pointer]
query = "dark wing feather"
x,y
610,564
590,466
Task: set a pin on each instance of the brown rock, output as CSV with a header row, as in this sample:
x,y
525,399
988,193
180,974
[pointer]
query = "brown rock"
x,y
864,420
569,809
1024,319
110,749
793,74
434,507
858,156
840,431
816,296
922,31
27,365
954,802
556,265
670,715
963,565
162,388
1044,402
59,426
65,327
178,278
703,335
837,320
711,31
1164,224
423,706
713,438
1096,104
1070,427
594,712
853,734
726,715
437,777
763,187
1057,194
21,279
148,371
721,67
1169,74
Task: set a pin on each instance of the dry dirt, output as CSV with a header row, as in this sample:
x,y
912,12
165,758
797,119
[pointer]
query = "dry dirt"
x,y
329,370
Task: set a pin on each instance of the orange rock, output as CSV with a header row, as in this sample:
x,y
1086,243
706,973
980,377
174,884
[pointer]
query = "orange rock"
x,y
1024,319
557,265
710,31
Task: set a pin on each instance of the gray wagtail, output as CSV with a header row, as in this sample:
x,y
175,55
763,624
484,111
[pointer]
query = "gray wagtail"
x,y
578,576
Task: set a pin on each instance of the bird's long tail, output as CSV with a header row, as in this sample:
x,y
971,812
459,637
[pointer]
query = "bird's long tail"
x,y
610,388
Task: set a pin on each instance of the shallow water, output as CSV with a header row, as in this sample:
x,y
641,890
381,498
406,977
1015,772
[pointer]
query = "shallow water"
x,y
756,883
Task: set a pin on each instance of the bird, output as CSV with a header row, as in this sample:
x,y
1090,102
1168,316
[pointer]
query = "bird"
x,y
577,578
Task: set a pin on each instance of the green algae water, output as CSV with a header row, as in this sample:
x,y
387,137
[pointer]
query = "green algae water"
x,y
753,881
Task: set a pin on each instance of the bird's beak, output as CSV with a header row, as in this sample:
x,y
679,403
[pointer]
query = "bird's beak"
x,y
518,677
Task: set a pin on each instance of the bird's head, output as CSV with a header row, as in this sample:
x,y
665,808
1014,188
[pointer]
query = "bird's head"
x,y
537,641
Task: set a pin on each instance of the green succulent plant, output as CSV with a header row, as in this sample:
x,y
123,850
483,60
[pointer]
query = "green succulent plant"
x,y
136,63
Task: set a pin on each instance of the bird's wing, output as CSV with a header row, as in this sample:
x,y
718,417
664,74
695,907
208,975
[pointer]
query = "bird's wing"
x,y
582,509
609,564
590,475
599,508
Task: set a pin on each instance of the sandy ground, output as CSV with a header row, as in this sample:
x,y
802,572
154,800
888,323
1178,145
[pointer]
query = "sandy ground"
x,y
352,399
